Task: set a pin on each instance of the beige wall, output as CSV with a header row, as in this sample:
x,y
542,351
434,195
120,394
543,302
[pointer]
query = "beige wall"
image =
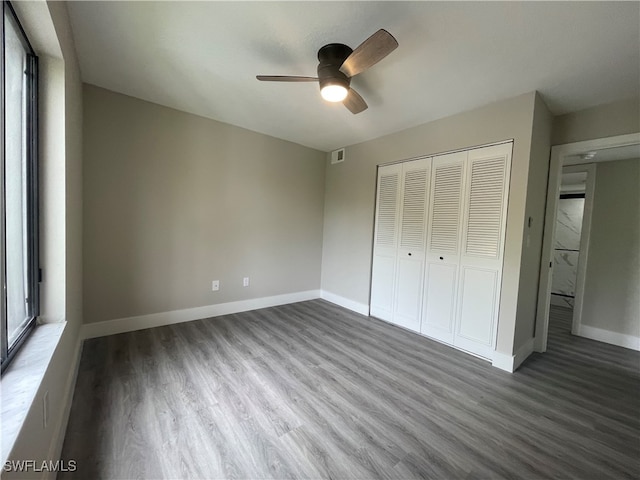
x,y
618,118
73,181
612,287
350,197
535,210
47,25
173,201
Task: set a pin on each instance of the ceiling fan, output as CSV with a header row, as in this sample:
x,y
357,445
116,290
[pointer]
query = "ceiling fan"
x,y
339,63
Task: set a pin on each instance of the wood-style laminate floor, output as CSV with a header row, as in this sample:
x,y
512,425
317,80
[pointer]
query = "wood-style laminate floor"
x,y
311,390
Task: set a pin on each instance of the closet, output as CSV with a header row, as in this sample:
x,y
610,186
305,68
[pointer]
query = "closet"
x,y
438,245
400,242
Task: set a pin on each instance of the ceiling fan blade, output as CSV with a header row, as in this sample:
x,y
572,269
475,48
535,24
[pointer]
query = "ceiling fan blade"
x,y
354,102
369,52
285,78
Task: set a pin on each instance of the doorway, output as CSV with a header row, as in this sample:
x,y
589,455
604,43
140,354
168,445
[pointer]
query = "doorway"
x,y
573,217
575,158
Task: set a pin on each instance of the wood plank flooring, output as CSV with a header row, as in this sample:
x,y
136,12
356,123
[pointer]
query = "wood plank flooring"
x,y
311,390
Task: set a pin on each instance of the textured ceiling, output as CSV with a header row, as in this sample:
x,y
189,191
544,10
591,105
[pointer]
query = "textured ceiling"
x,y
202,57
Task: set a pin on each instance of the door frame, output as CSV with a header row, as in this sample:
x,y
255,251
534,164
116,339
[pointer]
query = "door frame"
x,y
558,155
585,233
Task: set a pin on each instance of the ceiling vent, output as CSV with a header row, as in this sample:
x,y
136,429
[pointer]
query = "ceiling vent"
x,y
337,156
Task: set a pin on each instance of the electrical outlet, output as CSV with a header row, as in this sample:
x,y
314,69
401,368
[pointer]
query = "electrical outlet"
x,y
215,285
45,409
245,282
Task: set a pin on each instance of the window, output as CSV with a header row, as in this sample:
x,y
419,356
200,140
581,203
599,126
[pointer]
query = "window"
x,y
19,202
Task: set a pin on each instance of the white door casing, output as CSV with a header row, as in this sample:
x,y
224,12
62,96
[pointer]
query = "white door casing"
x,y
567,154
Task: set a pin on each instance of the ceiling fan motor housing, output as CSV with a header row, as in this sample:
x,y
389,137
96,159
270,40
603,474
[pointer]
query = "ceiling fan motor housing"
x,y
331,58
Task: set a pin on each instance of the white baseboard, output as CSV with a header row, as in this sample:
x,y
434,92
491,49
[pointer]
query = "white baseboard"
x,y
510,363
523,353
130,324
60,431
361,308
502,361
607,336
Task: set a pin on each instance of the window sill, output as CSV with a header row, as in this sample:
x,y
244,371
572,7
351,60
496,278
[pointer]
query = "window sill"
x,y
22,379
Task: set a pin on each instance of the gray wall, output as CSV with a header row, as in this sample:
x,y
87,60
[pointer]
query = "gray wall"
x,y
617,118
173,201
536,188
612,287
350,198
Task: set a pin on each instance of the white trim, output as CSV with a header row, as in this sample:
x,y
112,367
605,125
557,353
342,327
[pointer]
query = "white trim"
x,y
23,379
585,236
448,152
510,363
55,449
522,354
361,308
558,153
502,361
130,324
546,262
596,144
607,336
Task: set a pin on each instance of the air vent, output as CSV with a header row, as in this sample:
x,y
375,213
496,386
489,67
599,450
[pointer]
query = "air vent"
x,y
337,156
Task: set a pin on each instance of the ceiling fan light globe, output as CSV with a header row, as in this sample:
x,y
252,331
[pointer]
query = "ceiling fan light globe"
x,y
334,93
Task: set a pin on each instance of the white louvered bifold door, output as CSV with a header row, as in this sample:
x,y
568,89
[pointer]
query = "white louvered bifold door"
x,y
385,241
412,243
443,246
482,246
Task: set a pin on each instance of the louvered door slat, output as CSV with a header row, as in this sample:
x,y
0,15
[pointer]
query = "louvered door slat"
x,y
482,249
445,214
385,242
413,210
411,250
443,253
484,217
387,209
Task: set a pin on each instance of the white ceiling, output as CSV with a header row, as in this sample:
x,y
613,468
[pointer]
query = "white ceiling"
x,y
202,57
573,181
626,152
